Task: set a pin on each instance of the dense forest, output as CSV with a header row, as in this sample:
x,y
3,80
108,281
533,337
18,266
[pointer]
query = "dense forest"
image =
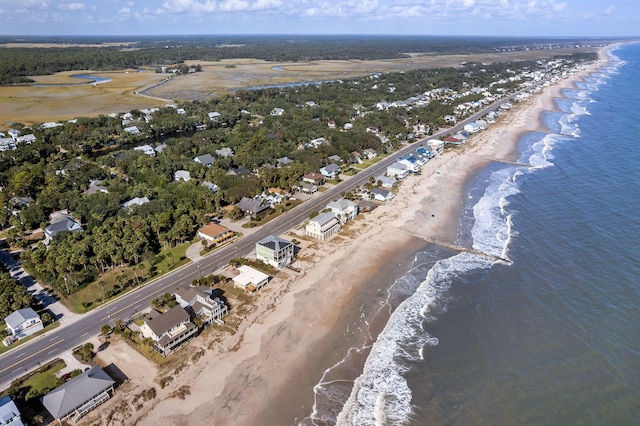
x,y
16,64
57,168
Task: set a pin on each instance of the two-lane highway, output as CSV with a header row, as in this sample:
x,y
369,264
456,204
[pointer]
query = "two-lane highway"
x,y
30,355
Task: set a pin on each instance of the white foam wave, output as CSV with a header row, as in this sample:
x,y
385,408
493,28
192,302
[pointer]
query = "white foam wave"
x,y
381,393
490,232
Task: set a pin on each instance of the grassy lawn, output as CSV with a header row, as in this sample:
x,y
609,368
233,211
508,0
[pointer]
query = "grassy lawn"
x,y
121,280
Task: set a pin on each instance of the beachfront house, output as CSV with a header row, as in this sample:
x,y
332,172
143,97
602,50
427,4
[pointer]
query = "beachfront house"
x,y
345,210
169,330
20,324
322,226
215,233
411,162
398,171
380,194
200,302
386,182
275,251
250,279
79,395
9,413
436,145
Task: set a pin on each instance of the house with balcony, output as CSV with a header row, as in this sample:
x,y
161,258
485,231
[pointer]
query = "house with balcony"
x,y
200,302
344,210
215,233
170,330
275,251
322,226
398,170
79,395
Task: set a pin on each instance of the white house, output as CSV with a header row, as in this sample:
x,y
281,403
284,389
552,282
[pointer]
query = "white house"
x,y
436,145
183,175
410,162
213,115
132,130
250,279
398,171
380,194
201,303
146,149
471,128
9,413
322,226
277,111
224,152
345,210
137,201
22,323
211,186
386,182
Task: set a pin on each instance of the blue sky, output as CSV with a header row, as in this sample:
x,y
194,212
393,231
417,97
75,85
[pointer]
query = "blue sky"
x,y
429,17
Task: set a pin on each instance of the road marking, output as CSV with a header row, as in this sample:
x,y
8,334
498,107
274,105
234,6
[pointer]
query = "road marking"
x,y
32,355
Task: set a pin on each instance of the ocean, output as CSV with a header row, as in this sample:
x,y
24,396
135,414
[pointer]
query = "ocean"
x,y
544,328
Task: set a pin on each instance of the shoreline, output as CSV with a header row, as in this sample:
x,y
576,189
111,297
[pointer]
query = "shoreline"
x,y
243,381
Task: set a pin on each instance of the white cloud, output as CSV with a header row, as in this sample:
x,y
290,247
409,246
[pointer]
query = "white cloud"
x,y
71,6
609,10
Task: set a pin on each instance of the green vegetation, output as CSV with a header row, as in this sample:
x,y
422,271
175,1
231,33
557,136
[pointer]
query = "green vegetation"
x,y
121,248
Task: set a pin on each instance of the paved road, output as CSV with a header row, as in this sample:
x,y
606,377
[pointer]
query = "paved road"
x,y
74,332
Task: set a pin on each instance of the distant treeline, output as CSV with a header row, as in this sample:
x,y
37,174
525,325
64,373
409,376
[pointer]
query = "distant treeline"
x,y
16,64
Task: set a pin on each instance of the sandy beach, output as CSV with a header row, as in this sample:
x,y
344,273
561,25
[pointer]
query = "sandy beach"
x,y
264,373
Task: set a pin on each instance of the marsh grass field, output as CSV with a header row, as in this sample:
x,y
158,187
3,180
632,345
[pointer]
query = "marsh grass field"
x,y
50,100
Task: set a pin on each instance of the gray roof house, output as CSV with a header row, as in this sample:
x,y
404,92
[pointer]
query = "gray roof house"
x,y
205,159
79,395
275,251
9,413
380,194
322,226
252,206
211,186
169,330
330,171
62,222
22,323
344,210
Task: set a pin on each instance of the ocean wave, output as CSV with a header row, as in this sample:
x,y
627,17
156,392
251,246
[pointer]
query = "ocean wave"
x,y
381,395
490,232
